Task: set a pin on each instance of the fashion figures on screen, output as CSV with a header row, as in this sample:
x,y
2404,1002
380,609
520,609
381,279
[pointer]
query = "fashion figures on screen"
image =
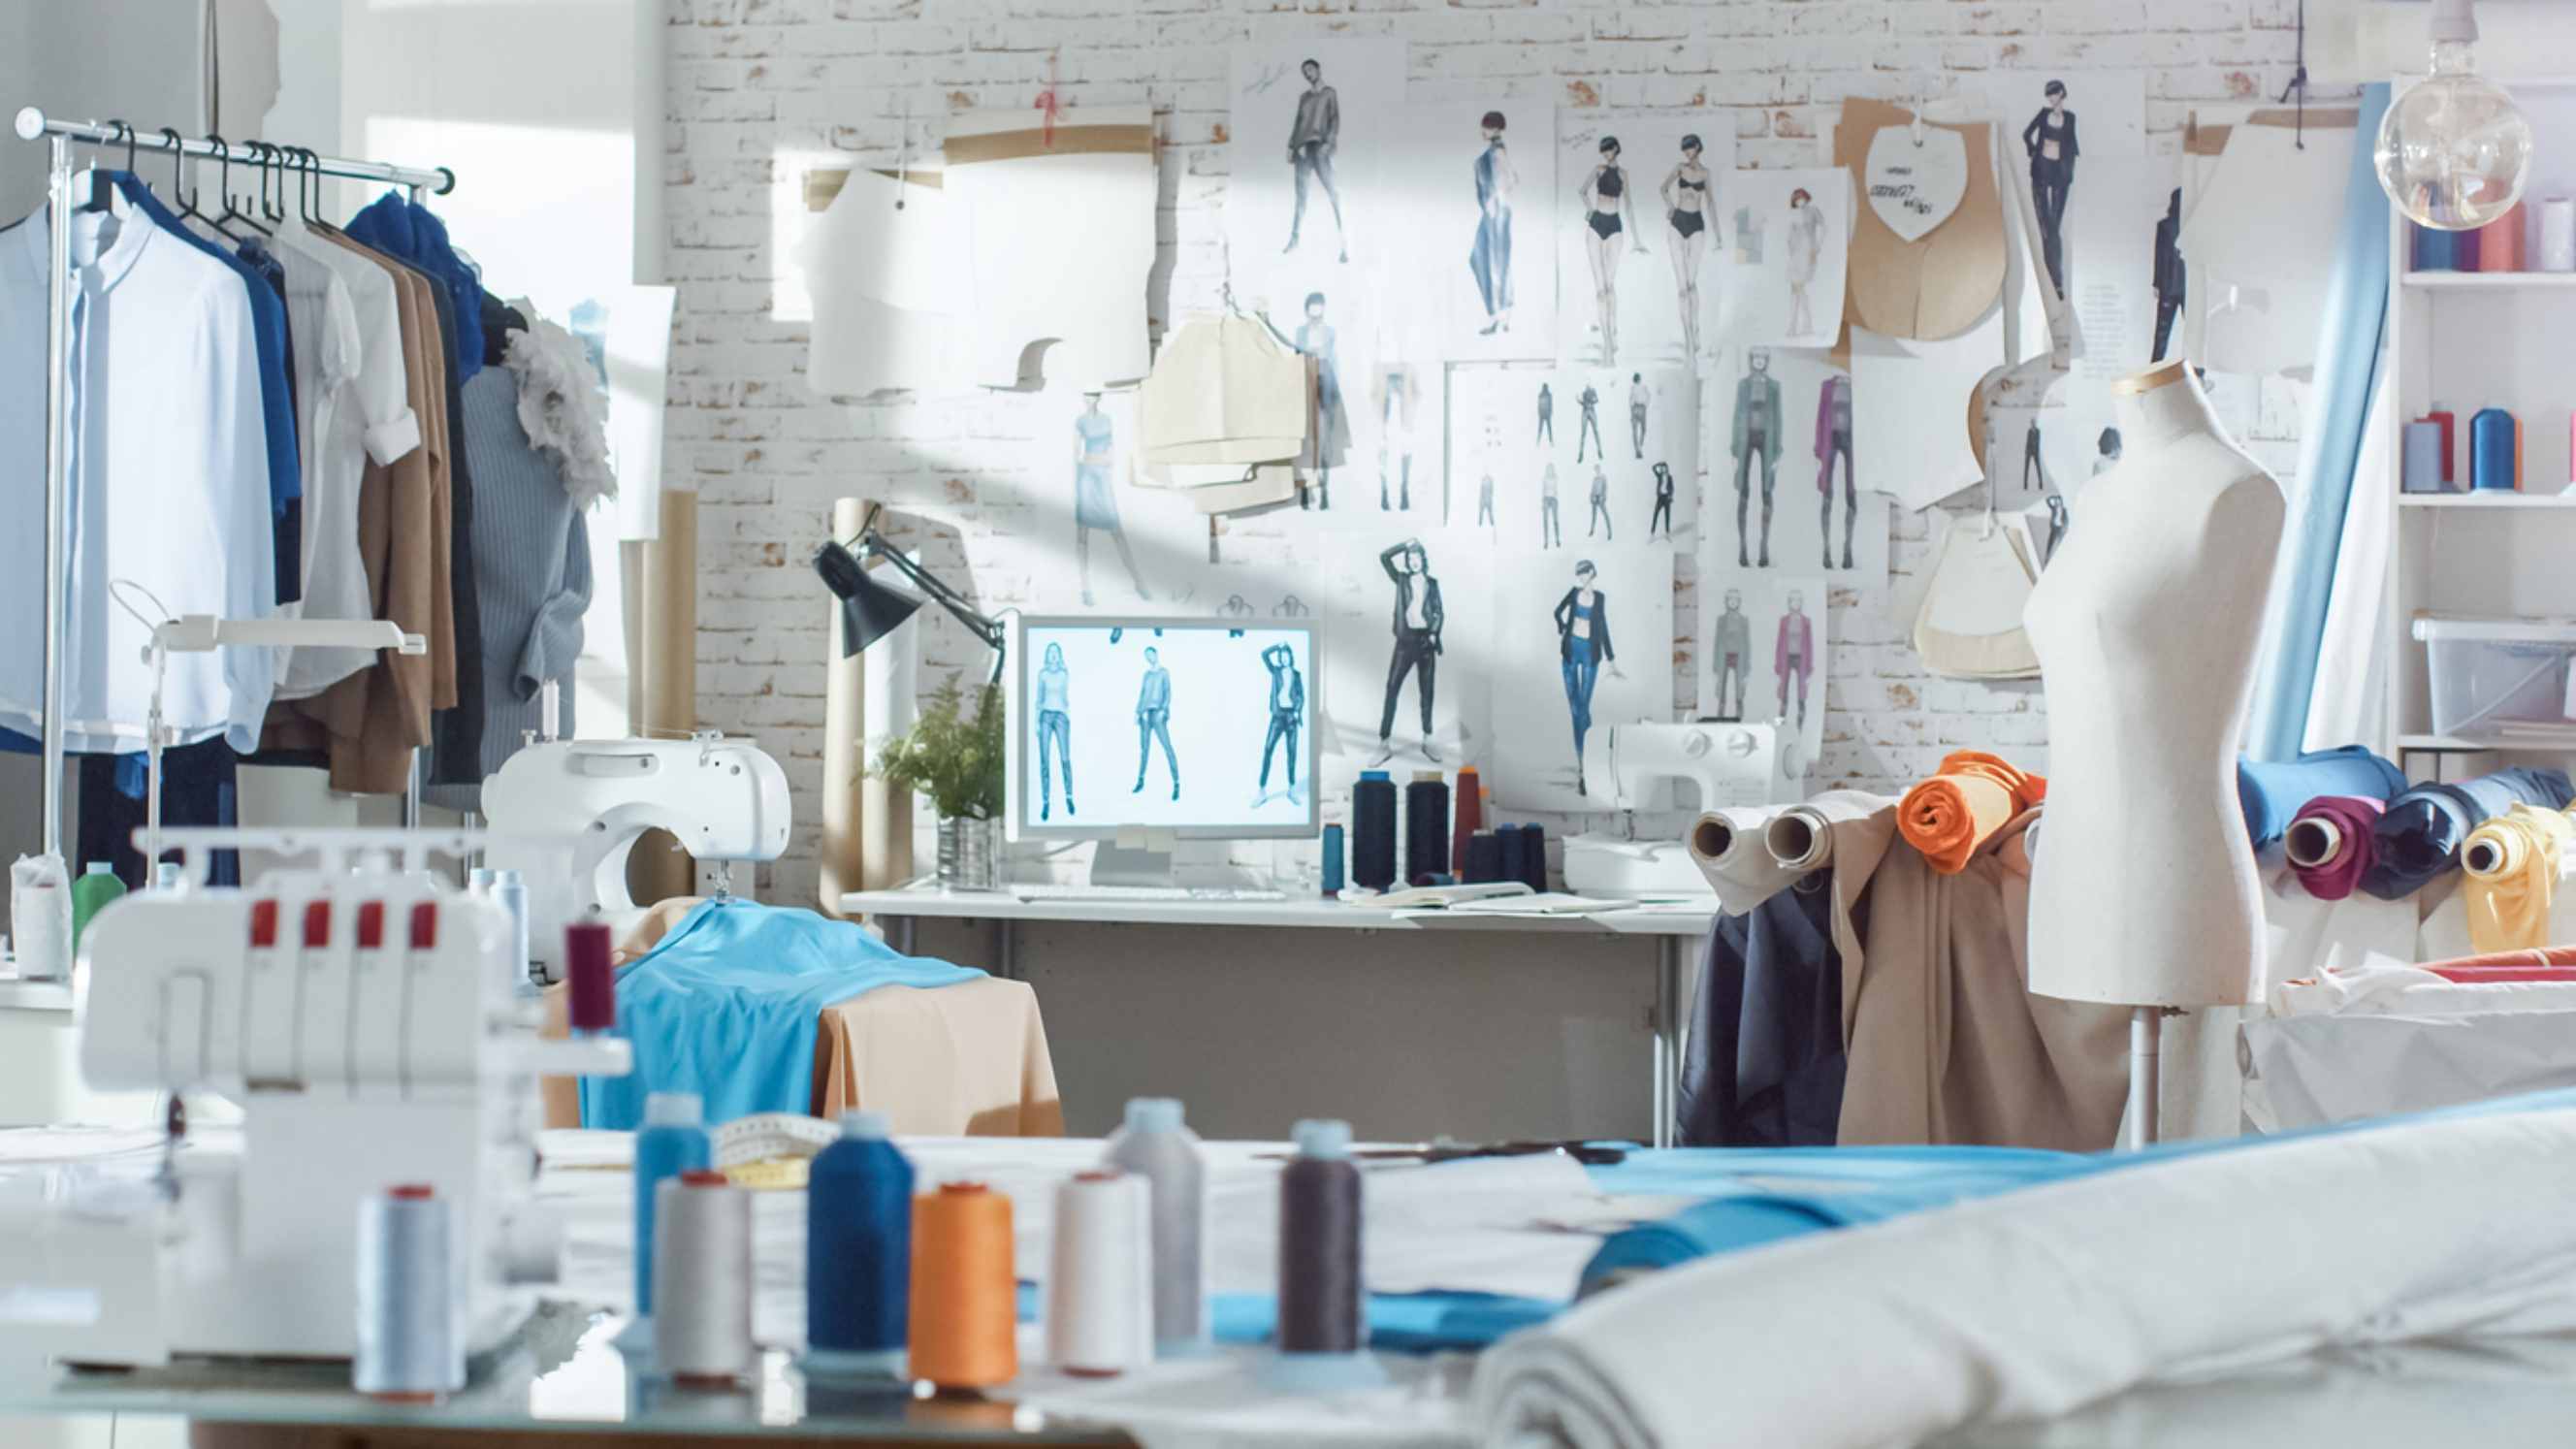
x,y
2034,469
1638,397
1834,440
1805,247
1055,732
1583,651
2050,140
1549,534
1331,442
1095,500
1491,260
1485,499
1756,442
1732,645
2169,273
1606,214
1685,195
1794,653
1546,414
1398,387
1311,143
1598,524
1588,428
1287,714
1417,640
1154,722
1663,515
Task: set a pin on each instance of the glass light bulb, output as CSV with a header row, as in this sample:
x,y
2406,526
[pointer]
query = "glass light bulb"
x,y
2454,151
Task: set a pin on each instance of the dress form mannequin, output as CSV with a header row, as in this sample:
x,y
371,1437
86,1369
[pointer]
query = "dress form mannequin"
x,y
2146,625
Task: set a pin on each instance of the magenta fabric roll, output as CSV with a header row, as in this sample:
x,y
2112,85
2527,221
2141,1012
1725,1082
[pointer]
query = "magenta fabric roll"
x,y
2355,816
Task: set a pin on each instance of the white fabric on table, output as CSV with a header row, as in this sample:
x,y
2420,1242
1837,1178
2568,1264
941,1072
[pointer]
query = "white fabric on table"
x,y
2313,1071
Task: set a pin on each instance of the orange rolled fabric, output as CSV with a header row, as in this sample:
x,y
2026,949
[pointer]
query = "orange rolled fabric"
x,y
1975,794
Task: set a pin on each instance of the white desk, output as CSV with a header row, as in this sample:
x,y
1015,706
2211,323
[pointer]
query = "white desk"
x,y
1670,932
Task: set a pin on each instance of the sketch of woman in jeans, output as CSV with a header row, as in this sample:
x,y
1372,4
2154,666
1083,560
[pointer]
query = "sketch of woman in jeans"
x,y
1583,649
1154,722
1491,260
1055,731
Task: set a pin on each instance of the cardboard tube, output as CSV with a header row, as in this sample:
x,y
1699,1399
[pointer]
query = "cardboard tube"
x,y
660,869
2312,841
885,813
1799,839
845,752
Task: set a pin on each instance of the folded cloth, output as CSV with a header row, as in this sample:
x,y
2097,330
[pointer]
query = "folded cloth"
x,y
2421,835
2512,863
725,1006
2348,820
1972,796
2271,792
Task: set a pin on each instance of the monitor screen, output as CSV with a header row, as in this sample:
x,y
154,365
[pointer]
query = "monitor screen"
x,y
1203,728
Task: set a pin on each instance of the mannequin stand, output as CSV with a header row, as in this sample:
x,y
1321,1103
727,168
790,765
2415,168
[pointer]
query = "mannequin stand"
x,y
2146,1029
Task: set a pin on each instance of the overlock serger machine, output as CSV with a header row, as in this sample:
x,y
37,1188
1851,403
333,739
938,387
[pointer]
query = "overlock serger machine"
x,y
368,1021
1727,763
567,814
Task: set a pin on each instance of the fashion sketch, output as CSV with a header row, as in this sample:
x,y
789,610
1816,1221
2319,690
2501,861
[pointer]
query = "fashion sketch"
x,y
1583,650
1756,442
1607,213
1599,523
1549,534
1055,731
1546,414
1638,397
1331,442
1418,622
2106,452
1588,428
1095,499
1685,196
1663,515
2169,273
2056,528
1834,440
1731,644
1287,715
1154,722
1491,259
1805,246
2050,141
2034,470
1485,499
1312,140
1398,388
1793,654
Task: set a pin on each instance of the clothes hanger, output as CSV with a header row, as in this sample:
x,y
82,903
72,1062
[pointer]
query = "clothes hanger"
x,y
180,192
102,190
224,184
271,176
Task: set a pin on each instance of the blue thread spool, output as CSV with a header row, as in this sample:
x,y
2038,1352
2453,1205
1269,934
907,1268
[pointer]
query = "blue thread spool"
x,y
858,1249
1484,857
409,1349
1332,860
2422,469
1534,857
2492,450
673,1141
2436,250
1373,831
1511,853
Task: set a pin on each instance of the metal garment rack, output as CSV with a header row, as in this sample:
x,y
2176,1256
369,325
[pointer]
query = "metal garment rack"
x,y
59,137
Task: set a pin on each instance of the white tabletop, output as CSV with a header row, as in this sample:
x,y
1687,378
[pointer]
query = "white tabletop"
x,y
1640,921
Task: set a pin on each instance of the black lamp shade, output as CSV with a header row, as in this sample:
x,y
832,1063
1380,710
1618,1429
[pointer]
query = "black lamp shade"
x,y
869,610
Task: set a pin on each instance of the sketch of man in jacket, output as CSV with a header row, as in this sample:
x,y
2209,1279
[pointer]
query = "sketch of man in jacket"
x,y
1418,622
1311,143
1757,439
1287,714
1154,722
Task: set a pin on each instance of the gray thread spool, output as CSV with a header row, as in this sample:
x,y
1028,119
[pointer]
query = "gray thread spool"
x,y
1155,1145
510,892
408,1346
702,1279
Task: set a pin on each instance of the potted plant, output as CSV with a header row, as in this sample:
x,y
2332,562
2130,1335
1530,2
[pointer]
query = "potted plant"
x,y
954,756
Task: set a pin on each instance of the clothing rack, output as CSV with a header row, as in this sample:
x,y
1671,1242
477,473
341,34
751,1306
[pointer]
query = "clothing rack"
x,y
59,137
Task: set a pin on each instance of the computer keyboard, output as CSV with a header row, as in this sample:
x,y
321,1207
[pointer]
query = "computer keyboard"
x,y
1143,893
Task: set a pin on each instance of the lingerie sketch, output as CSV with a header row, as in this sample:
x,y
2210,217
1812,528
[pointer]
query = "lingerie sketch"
x,y
1732,646
1311,143
1588,427
1686,213
1055,731
1607,213
1154,722
1638,397
1418,621
1331,443
1583,651
1663,515
1398,388
2170,273
1491,258
1834,440
1805,248
1793,655
1756,442
1095,500
1599,522
1287,716
2050,141
1549,534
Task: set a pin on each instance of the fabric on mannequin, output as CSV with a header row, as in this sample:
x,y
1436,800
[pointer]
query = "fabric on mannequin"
x,y
1950,816
1765,1065
2421,835
2512,862
2353,818
560,412
2273,794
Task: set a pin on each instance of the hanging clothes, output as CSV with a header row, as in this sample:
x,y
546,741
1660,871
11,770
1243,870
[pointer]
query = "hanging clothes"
x,y
1765,1063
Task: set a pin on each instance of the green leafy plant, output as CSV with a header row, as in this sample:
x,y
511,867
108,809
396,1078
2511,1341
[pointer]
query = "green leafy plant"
x,y
953,757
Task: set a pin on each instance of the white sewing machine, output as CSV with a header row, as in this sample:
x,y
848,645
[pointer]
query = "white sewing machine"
x,y
725,800
1729,764
365,1020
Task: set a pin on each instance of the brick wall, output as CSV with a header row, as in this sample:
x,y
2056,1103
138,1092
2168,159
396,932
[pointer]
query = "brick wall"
x,y
760,91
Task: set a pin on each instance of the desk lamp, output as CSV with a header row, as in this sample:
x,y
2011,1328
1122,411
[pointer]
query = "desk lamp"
x,y
870,610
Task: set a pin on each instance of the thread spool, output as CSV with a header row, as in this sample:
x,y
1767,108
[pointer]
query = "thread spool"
x,y
409,1350
2493,445
1469,808
965,1297
2312,842
2465,246
702,1280
590,994
1799,839
1534,857
1426,827
2421,470
1100,1276
2436,250
1332,860
2444,419
1510,851
1156,1146
1373,831
673,1141
1484,857
2500,242
858,1249
510,893
1321,1309
2557,234
478,881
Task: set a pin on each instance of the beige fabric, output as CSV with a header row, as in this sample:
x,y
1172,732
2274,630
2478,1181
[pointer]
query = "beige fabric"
x,y
1223,390
1940,284
1970,626
1947,1045
1727,845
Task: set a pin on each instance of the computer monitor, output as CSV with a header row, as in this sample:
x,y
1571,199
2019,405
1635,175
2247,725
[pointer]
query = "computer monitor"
x,y
1184,728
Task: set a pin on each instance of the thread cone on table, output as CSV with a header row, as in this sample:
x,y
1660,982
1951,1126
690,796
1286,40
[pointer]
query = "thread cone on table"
x,y
2512,864
858,1241
1321,1307
965,1292
702,1279
1973,795
409,1349
1100,1275
1155,1143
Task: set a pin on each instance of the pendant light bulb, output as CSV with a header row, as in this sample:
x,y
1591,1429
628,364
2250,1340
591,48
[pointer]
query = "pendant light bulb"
x,y
2454,151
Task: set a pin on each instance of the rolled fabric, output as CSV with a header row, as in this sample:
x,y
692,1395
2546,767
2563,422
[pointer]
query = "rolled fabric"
x,y
1727,843
2329,843
2421,835
1801,838
2273,792
1974,795
2513,863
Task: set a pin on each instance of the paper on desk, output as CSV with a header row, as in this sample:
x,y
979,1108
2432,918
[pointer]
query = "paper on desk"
x,y
1551,903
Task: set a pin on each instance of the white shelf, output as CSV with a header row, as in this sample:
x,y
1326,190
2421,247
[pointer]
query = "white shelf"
x,y
2453,745
2496,499
2491,281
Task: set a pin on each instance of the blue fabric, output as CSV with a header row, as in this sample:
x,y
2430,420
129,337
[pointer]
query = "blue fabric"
x,y
2273,794
725,1007
2348,351
2421,835
399,227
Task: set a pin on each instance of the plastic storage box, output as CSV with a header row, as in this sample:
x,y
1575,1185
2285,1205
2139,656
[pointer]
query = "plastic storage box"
x,y
2501,679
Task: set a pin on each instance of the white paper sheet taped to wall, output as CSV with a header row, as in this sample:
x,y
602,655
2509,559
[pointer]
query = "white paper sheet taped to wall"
x,y
1057,216
2257,232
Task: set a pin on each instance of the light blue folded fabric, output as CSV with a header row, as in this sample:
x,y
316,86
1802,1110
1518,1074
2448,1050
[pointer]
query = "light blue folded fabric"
x,y
2271,793
726,1007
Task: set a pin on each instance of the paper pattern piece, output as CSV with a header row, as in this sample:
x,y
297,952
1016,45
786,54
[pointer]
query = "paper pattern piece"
x,y
1573,458
2254,240
1917,395
888,285
1634,252
1473,198
1762,656
1069,300
1784,490
1585,641
1788,236
1915,183
1942,284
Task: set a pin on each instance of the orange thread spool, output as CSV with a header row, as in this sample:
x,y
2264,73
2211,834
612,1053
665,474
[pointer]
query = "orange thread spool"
x,y
965,1292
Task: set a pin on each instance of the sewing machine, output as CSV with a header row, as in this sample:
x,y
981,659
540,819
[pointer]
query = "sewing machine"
x,y
1728,764
365,1018
723,799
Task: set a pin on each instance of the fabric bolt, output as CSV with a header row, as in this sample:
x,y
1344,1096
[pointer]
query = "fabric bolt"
x,y
2354,819
2271,793
2420,837
1950,816
1743,871
1765,1061
2509,898
725,1006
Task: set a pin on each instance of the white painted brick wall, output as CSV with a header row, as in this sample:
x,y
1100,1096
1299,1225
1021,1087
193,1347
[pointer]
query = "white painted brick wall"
x,y
762,90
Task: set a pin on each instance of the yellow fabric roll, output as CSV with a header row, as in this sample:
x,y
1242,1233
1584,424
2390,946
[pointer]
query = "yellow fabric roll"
x,y
2512,864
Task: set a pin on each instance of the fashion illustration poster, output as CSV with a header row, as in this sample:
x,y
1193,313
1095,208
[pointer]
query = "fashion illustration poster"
x,y
2115,225
1102,542
1762,658
1573,457
1472,199
2054,128
1312,121
1585,641
1788,234
1640,195
1783,488
1404,623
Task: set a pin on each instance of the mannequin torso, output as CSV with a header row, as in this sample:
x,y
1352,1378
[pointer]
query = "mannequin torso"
x,y
2146,625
